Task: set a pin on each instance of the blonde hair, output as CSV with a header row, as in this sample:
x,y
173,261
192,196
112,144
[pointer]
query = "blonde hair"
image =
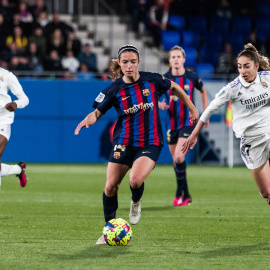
x,y
176,47
251,52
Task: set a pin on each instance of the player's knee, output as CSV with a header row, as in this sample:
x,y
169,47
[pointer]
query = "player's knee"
x,y
135,182
265,193
179,159
111,190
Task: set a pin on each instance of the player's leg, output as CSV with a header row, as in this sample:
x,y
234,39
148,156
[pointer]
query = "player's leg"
x,y
180,168
3,144
261,176
141,168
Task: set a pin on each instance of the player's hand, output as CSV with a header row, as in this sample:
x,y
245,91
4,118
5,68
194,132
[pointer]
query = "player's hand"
x,y
194,116
83,124
12,106
162,105
189,144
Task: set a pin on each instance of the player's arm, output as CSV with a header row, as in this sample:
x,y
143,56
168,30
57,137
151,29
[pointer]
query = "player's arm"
x,y
204,102
180,93
89,120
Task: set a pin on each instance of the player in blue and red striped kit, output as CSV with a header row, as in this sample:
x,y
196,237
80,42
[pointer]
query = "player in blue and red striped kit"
x,y
179,126
137,138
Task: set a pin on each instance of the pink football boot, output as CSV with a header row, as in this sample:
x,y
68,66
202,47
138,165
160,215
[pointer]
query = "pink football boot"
x,y
177,201
22,176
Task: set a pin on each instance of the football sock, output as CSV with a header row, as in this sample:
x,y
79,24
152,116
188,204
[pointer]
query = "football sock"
x,y
180,171
110,205
10,169
137,193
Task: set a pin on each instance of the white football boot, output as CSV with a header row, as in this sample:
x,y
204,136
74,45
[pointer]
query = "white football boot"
x,y
135,212
101,241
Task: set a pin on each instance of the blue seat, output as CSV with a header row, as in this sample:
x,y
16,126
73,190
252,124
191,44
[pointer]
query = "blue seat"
x,y
236,40
263,8
205,70
170,39
242,25
191,56
262,27
177,21
190,39
219,25
197,24
213,41
209,56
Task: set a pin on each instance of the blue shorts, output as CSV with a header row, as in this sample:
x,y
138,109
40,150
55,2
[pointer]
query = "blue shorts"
x,y
126,155
173,135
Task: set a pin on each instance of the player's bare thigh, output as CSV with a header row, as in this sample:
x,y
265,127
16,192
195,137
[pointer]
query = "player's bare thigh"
x,y
261,176
115,174
141,168
178,155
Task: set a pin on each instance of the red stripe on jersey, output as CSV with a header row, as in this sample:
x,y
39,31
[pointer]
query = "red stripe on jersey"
x,y
141,115
171,109
181,109
190,96
127,120
155,120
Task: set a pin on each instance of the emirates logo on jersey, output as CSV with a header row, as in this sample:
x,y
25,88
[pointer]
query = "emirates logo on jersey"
x,y
264,85
146,92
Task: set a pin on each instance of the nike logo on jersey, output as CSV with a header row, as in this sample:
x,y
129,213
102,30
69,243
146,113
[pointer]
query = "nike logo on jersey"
x,y
124,98
145,152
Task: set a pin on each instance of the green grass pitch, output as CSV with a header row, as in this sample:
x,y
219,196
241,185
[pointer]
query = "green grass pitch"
x,y
54,222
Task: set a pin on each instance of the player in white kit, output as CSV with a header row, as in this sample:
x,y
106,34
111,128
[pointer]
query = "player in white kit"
x,y
8,81
249,94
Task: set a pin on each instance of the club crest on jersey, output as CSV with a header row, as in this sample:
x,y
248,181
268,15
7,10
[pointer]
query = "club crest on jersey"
x,y
116,155
264,85
186,87
146,92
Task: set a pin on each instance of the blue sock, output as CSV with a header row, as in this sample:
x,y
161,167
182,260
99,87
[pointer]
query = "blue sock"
x,y
137,193
110,205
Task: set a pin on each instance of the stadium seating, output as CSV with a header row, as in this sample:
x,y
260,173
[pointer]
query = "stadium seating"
x,y
213,41
209,56
263,8
177,21
219,25
197,24
262,27
170,39
236,40
205,70
190,39
242,25
191,56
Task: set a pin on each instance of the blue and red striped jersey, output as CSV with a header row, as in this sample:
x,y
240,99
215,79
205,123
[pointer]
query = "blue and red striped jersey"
x,y
136,104
178,113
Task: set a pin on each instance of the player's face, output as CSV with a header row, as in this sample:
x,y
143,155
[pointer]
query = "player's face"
x,y
129,63
176,59
247,68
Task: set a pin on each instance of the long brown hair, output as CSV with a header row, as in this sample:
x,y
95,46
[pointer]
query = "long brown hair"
x,y
251,52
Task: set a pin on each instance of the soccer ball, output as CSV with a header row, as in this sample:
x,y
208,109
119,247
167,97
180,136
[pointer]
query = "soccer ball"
x,y
117,232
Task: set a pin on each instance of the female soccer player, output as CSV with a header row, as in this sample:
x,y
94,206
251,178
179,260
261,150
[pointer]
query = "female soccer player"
x,y
137,137
250,98
179,126
8,81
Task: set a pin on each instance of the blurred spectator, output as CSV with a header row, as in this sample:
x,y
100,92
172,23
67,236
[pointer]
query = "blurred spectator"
x,y
70,62
38,8
10,52
253,39
40,41
18,63
107,73
16,21
41,21
227,61
57,42
35,60
84,73
53,62
56,23
25,14
88,57
159,14
73,43
20,40
3,33
6,9
223,9
67,75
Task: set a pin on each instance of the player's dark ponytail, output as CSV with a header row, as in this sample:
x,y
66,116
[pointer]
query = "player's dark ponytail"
x,y
251,52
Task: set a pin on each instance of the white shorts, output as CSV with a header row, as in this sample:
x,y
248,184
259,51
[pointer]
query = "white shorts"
x,y
255,151
5,130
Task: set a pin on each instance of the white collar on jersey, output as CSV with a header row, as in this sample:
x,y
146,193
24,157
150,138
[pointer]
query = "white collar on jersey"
x,y
247,84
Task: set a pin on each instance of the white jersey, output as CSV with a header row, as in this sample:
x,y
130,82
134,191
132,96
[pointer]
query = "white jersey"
x,y
250,105
8,81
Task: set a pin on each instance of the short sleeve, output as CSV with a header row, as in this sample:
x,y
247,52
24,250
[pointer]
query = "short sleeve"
x,y
164,83
104,101
198,82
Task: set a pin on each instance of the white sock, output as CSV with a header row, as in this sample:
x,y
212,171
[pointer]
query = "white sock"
x,y
10,169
